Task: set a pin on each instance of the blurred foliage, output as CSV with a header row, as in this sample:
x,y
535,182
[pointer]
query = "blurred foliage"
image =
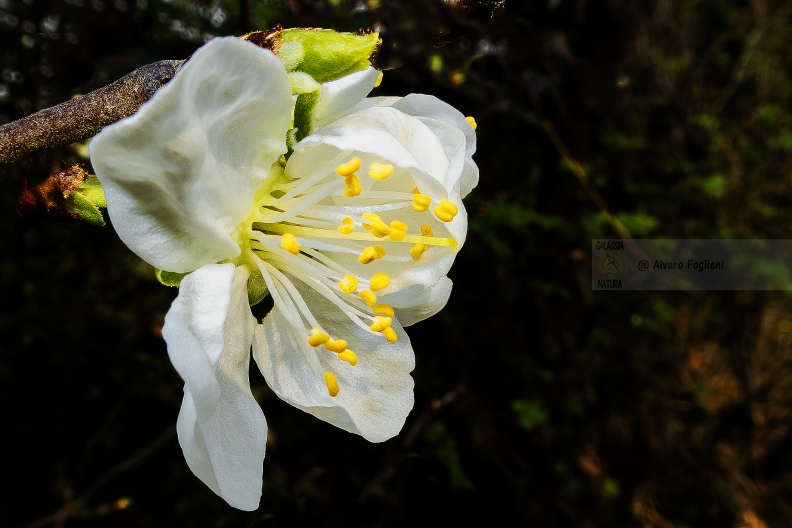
x,y
536,397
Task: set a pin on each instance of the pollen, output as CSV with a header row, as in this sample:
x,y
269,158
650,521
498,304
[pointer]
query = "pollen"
x,y
379,281
379,80
471,121
368,255
347,226
368,297
289,243
381,323
317,338
398,229
417,250
421,202
348,356
377,227
390,335
380,251
332,384
353,187
348,284
383,309
426,230
380,171
446,211
345,169
336,345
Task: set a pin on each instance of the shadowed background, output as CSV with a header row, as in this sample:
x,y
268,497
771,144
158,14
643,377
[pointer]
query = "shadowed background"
x,y
536,398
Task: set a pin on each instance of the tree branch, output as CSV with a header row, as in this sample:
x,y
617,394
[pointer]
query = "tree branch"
x,y
83,117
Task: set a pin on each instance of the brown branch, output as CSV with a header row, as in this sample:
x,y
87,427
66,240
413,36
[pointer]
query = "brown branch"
x,y
83,117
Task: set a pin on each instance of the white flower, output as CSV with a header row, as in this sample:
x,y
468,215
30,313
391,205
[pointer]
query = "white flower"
x,y
195,183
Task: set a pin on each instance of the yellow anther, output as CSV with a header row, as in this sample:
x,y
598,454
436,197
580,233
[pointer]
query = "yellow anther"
x,y
417,250
390,334
383,309
377,227
345,169
347,226
348,356
332,384
353,187
336,345
471,122
368,255
380,251
368,297
446,211
398,229
421,202
317,338
380,171
381,323
379,281
426,230
289,243
379,80
348,284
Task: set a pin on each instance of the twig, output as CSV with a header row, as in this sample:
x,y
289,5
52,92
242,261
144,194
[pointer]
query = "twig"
x,y
84,116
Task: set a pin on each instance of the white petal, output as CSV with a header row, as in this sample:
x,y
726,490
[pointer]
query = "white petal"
x,y
221,429
181,173
419,302
338,97
375,396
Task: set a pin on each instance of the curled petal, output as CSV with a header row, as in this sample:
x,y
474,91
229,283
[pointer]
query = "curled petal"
x,y
221,428
417,302
338,97
181,173
374,396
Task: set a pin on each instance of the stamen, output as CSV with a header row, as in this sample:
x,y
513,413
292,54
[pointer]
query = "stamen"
x,y
381,323
426,230
379,80
348,284
345,169
383,309
368,255
353,187
332,384
398,229
377,227
380,171
312,233
446,211
469,119
289,243
336,345
417,250
317,338
348,356
380,251
390,334
368,297
421,202
379,281
347,226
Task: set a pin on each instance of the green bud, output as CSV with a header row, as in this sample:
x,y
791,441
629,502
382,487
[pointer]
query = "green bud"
x,y
81,207
327,55
256,287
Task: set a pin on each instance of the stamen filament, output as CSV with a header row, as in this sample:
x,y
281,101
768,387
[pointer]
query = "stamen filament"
x,y
321,233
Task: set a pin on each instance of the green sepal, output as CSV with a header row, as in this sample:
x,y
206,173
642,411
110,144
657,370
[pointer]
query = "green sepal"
x,y
169,278
256,288
80,206
328,55
92,189
303,112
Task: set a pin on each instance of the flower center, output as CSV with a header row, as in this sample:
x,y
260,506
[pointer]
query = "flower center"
x,y
327,229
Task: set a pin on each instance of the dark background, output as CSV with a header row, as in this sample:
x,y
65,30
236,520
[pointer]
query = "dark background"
x,y
538,400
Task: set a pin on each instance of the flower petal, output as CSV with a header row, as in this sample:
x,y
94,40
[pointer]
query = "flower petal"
x,y
338,97
221,428
181,173
376,394
418,302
